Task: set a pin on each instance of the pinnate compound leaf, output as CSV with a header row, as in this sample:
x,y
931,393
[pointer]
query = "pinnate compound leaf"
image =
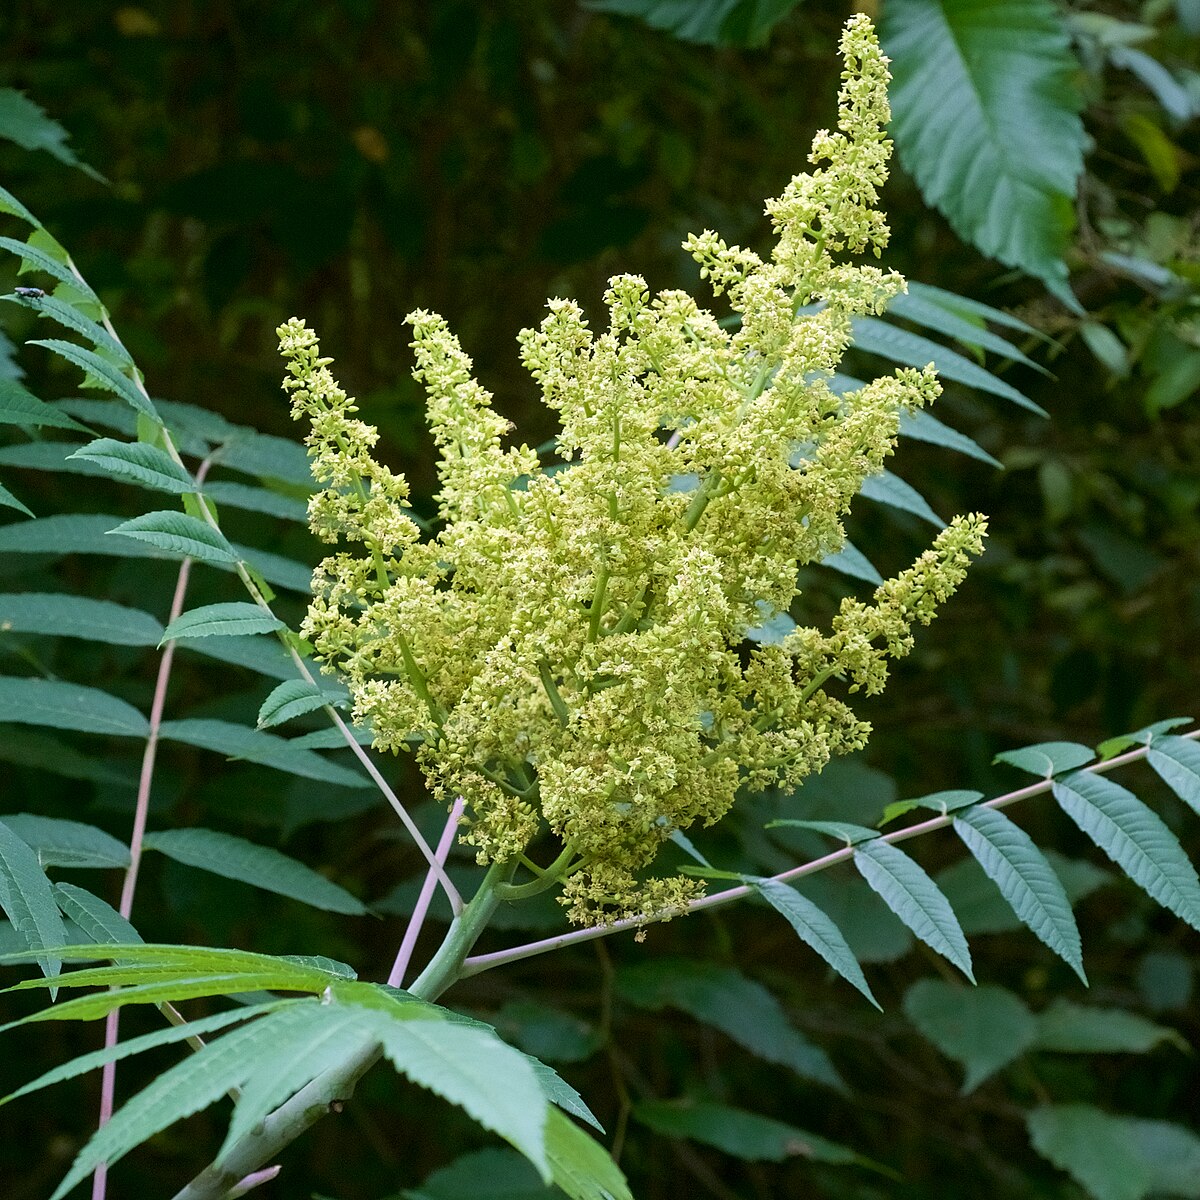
x,y
104,373
726,999
742,1134
150,1041
179,536
1071,1028
253,745
1093,1148
294,698
987,122
817,931
39,260
1047,758
1134,838
27,898
20,407
1017,867
983,1028
60,843
237,618
1177,761
68,706
909,892
260,866
139,463
58,615
192,1085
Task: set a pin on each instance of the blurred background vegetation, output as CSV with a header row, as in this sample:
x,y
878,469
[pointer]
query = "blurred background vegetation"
x,y
348,162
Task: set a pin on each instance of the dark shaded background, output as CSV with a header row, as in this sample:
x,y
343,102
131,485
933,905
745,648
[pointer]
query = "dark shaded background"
x,y
348,162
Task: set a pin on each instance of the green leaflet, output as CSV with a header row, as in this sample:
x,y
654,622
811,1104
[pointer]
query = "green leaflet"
x,y
58,615
817,931
924,427
708,22
260,866
842,830
26,123
26,748
1113,746
970,307
580,1165
889,489
1070,1028
193,1084
98,919
1177,761
138,462
8,500
261,654
1093,1148
1025,879
983,91
267,457
70,316
915,899
105,373
59,843
257,499
28,900
474,1069
41,261
253,745
11,205
482,1175
983,1028
1134,838
546,1032
180,536
294,698
20,407
939,802
738,1006
68,706
150,1041
874,336
1047,758
235,619
849,560
742,1134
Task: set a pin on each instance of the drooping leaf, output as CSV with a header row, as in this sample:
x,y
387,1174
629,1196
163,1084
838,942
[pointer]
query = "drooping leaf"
x,y
1071,1028
1025,879
150,1041
106,374
987,122
1134,838
60,615
234,619
1047,758
260,866
816,930
179,536
68,706
742,1134
1091,1146
41,261
139,463
877,337
60,843
253,745
26,123
983,1028
28,900
889,489
192,1085
726,999
924,427
21,407
914,898
1177,761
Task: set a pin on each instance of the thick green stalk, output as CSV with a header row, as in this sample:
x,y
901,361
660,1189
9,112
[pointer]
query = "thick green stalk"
x,y
330,1090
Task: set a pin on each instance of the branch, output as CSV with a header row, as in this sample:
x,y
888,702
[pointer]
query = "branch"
x,y
485,962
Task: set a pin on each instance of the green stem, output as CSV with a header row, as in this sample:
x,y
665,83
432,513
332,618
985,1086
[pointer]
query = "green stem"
x,y
558,870
556,701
